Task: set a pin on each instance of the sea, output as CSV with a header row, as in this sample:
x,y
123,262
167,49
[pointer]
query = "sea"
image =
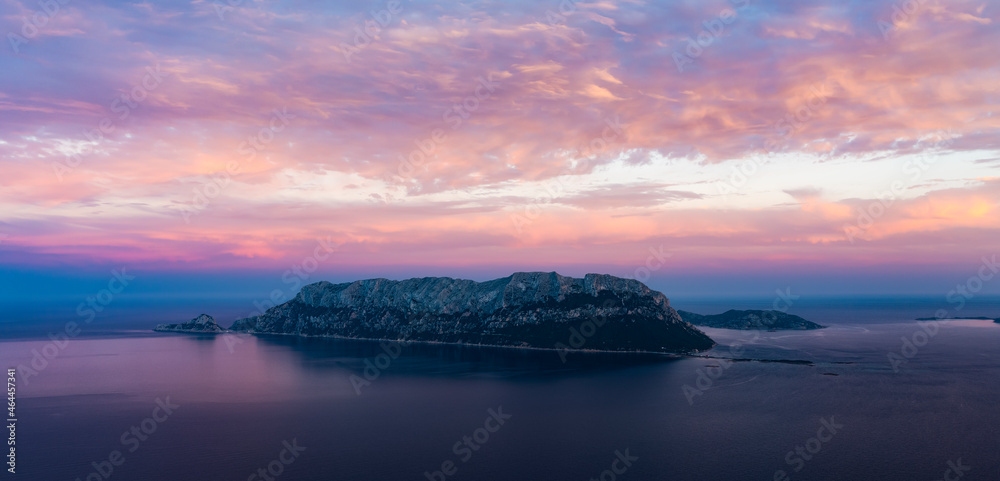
x,y
876,395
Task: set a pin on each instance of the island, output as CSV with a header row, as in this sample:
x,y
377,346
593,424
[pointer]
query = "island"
x,y
975,318
750,319
202,323
542,310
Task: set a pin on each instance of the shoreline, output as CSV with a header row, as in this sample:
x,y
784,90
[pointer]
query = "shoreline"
x,y
694,354
673,354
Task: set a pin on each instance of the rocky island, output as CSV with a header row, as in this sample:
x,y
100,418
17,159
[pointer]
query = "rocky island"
x,y
202,323
526,309
750,319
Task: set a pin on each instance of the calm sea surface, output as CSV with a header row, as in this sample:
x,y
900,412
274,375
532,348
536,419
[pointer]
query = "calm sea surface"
x,y
228,406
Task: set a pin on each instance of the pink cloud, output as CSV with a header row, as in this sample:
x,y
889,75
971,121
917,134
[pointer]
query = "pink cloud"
x,y
813,80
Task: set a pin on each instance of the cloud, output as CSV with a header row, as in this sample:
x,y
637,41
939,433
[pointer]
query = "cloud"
x,y
627,195
407,146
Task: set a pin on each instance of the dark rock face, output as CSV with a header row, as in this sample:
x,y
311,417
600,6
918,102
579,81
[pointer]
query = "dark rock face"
x,y
202,323
750,319
527,309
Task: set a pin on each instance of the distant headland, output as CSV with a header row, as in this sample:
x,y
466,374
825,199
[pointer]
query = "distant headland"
x,y
750,319
976,318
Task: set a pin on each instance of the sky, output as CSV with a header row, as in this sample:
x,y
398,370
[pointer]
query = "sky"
x,y
703,147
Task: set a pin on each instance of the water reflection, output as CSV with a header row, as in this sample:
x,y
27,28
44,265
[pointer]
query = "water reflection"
x,y
425,359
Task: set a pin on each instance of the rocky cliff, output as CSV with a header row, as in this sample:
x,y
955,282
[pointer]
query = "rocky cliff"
x,y
750,319
526,309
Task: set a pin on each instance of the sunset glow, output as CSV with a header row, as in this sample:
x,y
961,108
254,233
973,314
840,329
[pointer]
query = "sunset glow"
x,y
222,137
